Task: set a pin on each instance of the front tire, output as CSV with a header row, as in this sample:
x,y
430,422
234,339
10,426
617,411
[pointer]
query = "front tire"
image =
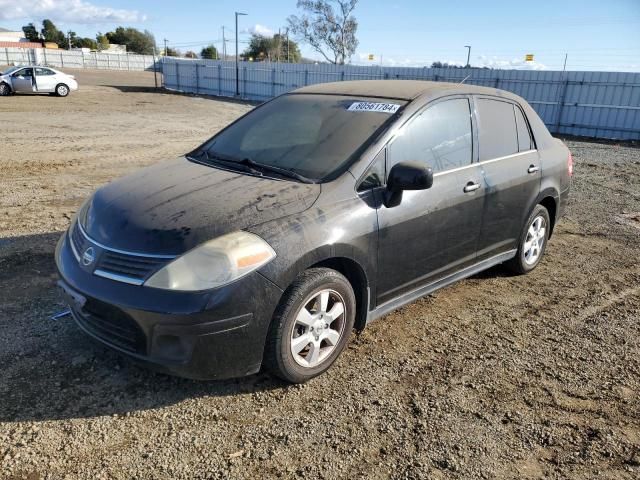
x,y
62,90
311,325
533,242
5,89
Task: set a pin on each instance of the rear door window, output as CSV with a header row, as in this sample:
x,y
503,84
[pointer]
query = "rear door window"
x,y
43,71
524,137
497,133
440,137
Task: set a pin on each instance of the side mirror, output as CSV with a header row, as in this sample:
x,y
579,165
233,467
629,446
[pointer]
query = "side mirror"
x,y
406,176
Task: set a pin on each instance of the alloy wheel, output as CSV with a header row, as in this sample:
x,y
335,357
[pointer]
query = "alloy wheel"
x,y
318,328
534,242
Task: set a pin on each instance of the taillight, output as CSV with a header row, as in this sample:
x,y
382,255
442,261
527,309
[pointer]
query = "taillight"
x,y
570,165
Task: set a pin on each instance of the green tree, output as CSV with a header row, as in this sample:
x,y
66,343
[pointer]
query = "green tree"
x,y
102,42
330,32
273,49
31,33
209,52
190,54
84,42
135,40
50,33
172,52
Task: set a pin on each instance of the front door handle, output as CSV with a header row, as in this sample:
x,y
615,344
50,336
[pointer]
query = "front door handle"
x,y
533,169
471,187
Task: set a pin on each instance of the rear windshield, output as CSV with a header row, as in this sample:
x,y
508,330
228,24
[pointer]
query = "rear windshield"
x,y
312,135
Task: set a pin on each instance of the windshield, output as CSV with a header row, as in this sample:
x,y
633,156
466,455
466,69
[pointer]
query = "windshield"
x,y
311,135
9,70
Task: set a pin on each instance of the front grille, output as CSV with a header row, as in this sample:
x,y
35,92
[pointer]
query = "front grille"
x,y
112,325
78,241
115,264
131,266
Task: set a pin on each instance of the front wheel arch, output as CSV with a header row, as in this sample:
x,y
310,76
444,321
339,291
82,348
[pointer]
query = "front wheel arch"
x,y
357,277
9,89
279,355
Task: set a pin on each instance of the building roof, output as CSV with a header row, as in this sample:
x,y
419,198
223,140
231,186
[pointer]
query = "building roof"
x,y
7,30
20,45
399,89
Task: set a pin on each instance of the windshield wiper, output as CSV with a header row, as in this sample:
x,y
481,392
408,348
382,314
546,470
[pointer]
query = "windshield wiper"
x,y
271,168
249,166
232,164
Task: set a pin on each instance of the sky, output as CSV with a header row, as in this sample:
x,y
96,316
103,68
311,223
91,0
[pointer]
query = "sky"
x,y
595,34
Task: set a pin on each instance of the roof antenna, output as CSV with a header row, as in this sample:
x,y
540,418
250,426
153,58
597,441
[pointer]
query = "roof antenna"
x,y
464,79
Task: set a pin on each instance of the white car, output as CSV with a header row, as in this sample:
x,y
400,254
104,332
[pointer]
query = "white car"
x,y
36,80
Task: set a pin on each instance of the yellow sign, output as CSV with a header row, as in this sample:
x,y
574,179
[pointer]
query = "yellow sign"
x,y
371,56
528,57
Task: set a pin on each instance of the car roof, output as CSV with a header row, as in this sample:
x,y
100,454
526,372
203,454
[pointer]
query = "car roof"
x,y
400,89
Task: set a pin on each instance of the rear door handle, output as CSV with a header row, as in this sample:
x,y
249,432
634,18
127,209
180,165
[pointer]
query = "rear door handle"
x,y
533,168
471,187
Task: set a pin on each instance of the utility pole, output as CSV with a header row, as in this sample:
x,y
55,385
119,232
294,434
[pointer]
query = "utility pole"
x,y
279,45
468,47
69,38
287,34
155,66
237,66
165,47
564,67
224,45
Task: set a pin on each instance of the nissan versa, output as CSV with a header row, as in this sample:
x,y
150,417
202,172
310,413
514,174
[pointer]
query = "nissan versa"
x,y
310,216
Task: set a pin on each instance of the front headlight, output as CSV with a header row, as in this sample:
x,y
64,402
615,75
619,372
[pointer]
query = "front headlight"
x,y
214,263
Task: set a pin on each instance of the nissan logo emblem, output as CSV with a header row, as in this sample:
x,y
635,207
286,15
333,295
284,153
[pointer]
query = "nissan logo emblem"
x,y
88,256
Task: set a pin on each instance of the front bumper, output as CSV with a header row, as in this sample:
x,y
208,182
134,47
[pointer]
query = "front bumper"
x,y
202,335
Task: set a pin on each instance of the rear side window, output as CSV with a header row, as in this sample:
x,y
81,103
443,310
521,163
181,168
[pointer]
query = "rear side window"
x,y
440,137
497,134
524,138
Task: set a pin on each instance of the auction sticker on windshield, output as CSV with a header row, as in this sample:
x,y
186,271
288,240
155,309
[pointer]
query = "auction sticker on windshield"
x,y
373,107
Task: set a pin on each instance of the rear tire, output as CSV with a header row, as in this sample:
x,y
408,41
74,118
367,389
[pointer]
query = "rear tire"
x,y
533,242
5,89
62,90
311,325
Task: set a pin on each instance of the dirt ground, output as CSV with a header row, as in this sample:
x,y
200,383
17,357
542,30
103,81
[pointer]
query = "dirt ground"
x,y
494,377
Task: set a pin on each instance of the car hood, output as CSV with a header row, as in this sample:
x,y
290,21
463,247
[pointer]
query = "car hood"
x,y
173,206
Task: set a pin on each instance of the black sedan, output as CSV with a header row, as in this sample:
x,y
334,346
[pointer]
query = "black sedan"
x,y
310,216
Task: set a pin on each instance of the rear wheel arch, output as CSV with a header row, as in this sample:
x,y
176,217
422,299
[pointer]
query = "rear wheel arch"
x,y
551,204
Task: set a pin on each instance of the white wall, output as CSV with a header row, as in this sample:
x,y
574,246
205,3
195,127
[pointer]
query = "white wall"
x,y
73,59
12,37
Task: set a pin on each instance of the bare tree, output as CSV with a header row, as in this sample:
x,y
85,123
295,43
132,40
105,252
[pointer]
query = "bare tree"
x,y
330,31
